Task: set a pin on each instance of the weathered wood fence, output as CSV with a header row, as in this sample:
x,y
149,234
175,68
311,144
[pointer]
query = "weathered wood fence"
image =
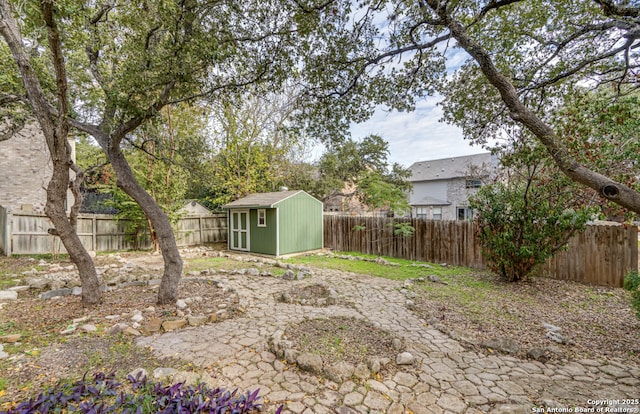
x,y
599,255
26,233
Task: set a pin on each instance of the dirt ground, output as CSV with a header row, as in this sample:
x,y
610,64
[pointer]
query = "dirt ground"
x,y
598,321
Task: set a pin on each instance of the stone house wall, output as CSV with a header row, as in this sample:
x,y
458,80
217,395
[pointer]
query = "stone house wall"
x,y
25,171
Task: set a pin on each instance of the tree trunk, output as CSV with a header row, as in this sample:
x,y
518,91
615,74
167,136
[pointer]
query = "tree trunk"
x,y
168,292
55,129
56,195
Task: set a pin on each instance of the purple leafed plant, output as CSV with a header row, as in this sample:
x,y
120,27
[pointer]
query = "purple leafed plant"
x,y
103,394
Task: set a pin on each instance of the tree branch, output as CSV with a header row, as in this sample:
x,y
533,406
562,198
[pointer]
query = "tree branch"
x,y
612,9
55,44
608,188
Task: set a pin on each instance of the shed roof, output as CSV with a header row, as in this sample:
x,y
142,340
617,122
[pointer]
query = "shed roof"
x,y
263,200
446,168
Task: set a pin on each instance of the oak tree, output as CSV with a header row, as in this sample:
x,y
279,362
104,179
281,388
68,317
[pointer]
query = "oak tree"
x,y
117,64
520,59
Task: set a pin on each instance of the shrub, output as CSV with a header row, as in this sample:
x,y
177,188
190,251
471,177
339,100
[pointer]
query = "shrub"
x,y
103,394
632,284
521,226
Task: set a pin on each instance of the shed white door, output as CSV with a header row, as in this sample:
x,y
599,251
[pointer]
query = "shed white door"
x,y
240,230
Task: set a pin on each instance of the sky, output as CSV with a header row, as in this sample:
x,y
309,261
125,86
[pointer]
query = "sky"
x,y
416,136
419,135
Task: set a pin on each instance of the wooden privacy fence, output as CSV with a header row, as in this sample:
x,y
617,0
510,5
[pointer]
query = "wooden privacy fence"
x,y
599,255
26,233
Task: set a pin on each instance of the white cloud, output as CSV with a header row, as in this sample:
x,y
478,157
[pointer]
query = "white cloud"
x,y
417,135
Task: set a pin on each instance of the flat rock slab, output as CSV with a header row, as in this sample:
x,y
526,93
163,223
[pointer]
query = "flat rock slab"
x,y
8,295
10,339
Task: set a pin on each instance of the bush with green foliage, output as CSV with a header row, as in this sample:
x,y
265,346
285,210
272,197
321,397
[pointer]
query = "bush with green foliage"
x,y
527,214
632,284
104,394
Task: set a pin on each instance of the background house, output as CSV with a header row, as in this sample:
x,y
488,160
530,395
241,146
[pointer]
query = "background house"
x,y
26,170
193,208
441,188
276,223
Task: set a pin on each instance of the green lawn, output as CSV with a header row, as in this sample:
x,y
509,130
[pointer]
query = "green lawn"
x,y
406,269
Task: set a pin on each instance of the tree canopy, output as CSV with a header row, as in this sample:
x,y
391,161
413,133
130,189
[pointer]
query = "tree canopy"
x,y
523,58
360,170
107,68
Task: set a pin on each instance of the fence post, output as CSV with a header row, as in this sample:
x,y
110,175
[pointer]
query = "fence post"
x,y
5,232
94,233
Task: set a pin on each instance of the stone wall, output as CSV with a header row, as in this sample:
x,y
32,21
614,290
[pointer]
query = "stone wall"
x,y
26,169
458,195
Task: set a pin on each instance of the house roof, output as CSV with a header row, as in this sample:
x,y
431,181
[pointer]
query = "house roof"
x,y
430,201
262,200
445,168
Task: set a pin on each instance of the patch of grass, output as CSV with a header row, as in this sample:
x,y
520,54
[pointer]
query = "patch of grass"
x,y
11,269
7,328
632,284
405,269
468,290
340,339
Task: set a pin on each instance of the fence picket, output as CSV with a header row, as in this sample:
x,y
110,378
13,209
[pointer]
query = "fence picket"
x,y
599,255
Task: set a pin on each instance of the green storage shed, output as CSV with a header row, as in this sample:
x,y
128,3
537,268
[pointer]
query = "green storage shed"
x,y
276,224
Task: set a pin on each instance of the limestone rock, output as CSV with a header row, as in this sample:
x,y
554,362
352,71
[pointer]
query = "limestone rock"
x,y
55,293
310,362
162,373
362,371
173,325
192,378
37,282
137,317
131,331
8,295
88,328
285,297
551,328
505,345
405,358
197,320
291,355
152,326
10,339
339,372
374,365
117,328
289,275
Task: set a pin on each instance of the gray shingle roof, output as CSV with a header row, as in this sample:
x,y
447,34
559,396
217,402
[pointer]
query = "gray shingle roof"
x,y
430,201
265,200
446,168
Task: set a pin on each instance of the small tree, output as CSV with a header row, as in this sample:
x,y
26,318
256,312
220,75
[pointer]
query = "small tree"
x,y
526,216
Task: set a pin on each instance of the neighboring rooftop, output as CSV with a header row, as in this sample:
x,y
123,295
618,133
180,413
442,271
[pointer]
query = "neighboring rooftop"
x,y
453,167
267,200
